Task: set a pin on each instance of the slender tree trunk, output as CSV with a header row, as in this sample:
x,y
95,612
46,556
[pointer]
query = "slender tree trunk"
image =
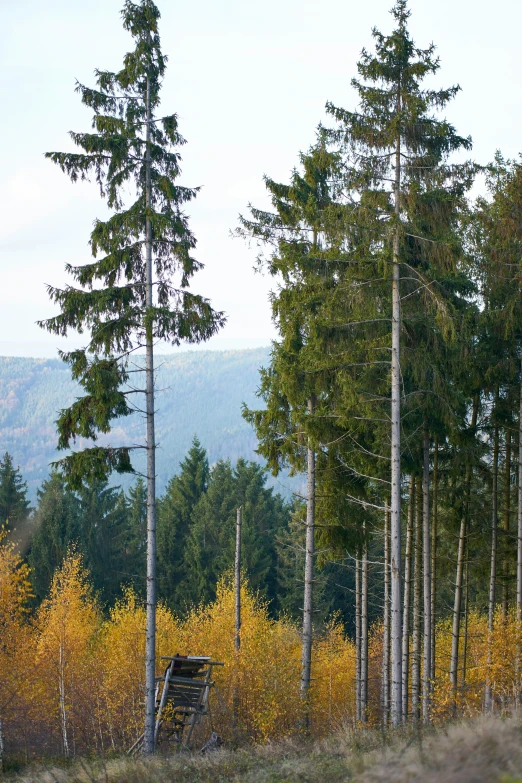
x,y
1,746
434,552
237,579
488,695
466,618
364,630
519,509
417,581
237,590
63,708
519,544
455,635
457,605
357,639
396,619
407,594
507,516
426,680
306,662
385,679
150,639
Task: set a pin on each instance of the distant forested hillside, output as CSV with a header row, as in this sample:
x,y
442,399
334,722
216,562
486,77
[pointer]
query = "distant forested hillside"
x,y
200,393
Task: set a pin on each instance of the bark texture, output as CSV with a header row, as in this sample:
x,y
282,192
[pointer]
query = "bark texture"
x,y
385,678
407,594
364,630
488,696
150,636
306,661
426,554
396,619
417,582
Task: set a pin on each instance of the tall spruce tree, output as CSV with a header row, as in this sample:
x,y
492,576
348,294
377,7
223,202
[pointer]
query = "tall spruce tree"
x,y
210,546
399,147
297,251
14,506
136,534
498,244
175,509
57,526
134,293
103,538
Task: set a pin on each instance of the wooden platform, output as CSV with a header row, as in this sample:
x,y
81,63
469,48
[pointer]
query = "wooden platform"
x,y
182,695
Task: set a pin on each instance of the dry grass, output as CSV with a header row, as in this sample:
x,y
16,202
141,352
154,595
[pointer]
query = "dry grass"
x,y
488,750
481,751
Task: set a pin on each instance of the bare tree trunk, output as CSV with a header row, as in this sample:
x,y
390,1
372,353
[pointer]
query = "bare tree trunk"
x,y
457,605
466,616
407,594
519,509
519,544
488,694
396,620
357,639
150,637
417,577
308,601
237,590
364,630
507,517
434,552
385,679
426,680
63,708
454,661
237,579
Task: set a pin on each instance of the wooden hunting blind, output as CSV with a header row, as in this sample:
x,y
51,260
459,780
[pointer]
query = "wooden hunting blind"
x,y
182,695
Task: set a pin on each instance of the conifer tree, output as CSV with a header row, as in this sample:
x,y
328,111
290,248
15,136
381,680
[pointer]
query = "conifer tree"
x,y
399,149
104,530
14,506
498,242
175,509
298,250
210,546
135,292
57,526
136,536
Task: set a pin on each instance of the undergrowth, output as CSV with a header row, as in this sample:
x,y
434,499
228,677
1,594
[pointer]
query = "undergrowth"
x,y
488,750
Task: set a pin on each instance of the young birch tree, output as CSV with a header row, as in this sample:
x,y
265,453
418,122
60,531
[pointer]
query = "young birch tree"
x,y
135,292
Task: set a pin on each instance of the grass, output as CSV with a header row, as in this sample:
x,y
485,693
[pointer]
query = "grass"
x,y
488,750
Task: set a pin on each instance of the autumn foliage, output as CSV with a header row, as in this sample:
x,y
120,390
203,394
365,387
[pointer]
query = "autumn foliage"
x,y
72,678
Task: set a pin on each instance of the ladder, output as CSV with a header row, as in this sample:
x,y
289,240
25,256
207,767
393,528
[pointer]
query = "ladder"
x,y
182,695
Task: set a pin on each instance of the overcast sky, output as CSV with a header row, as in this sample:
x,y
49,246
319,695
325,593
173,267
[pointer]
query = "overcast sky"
x,y
249,82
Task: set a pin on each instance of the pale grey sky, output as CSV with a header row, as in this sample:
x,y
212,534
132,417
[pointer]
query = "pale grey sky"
x,y
249,82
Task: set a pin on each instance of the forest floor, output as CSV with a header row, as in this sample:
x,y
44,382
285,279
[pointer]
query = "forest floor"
x,y
488,750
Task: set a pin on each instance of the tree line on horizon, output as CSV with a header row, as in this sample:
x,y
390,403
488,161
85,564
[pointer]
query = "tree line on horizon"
x,y
394,384
196,534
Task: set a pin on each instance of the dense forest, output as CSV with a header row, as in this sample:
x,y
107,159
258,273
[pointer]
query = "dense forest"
x,y
388,591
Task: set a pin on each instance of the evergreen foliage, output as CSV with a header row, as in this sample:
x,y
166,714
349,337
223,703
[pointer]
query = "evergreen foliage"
x,y
57,526
14,506
182,494
129,149
210,545
398,310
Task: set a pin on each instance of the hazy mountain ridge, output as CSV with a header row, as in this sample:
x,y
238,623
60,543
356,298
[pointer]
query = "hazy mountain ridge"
x,y
199,392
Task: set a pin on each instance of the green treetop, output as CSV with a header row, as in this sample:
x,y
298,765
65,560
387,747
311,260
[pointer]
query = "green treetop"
x,y
120,298
182,494
14,506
